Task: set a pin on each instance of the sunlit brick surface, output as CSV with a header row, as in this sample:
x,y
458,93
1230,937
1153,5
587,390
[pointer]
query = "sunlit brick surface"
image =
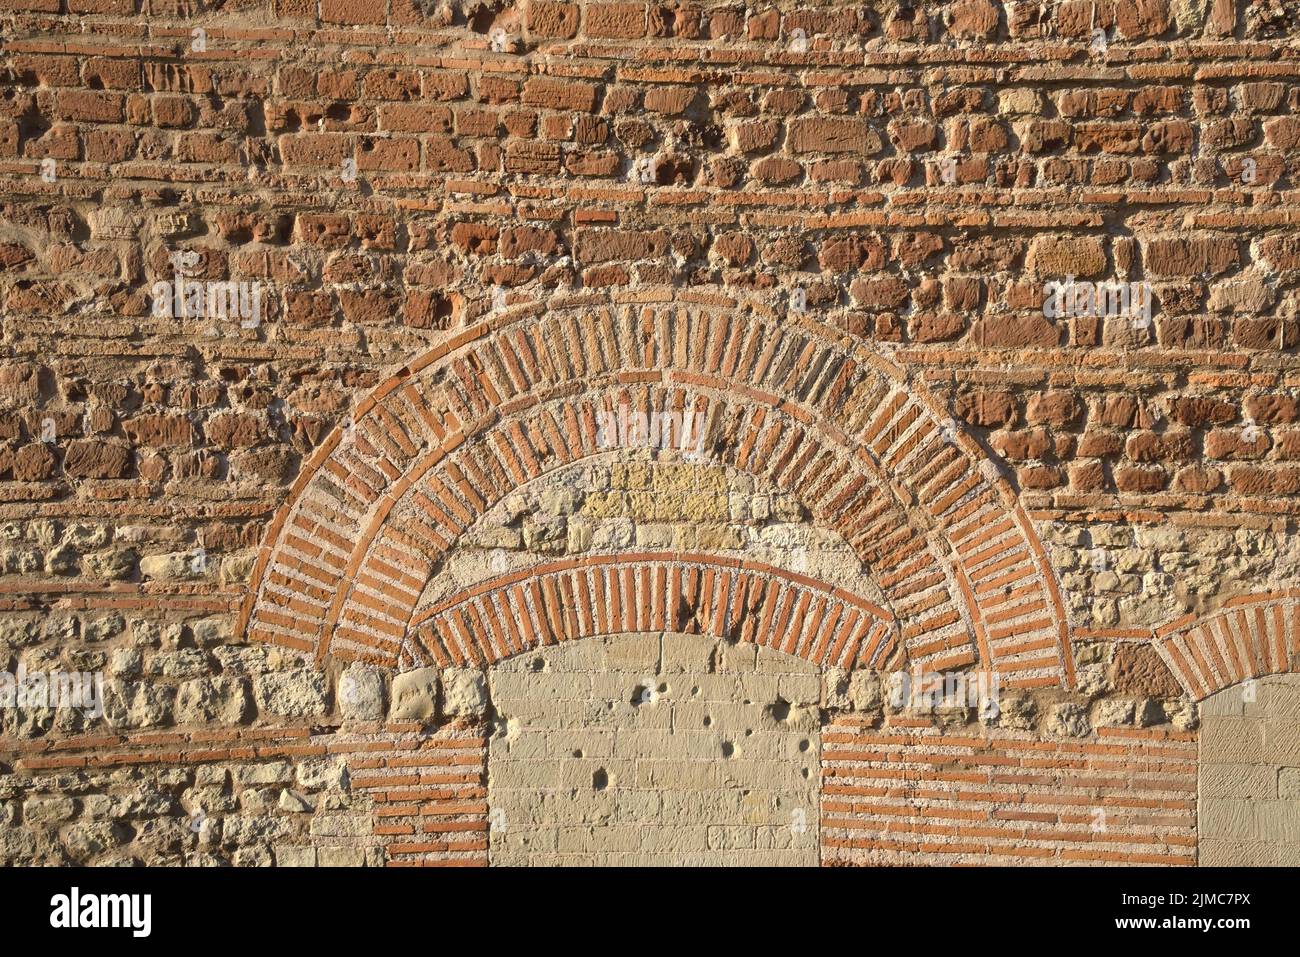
x,y
356,353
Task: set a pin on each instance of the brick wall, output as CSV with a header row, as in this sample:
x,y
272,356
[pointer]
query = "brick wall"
x,y
326,329
919,794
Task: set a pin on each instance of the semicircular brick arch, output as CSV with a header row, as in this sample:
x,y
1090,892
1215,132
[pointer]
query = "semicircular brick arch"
x,y
376,612
689,594
1252,636
804,405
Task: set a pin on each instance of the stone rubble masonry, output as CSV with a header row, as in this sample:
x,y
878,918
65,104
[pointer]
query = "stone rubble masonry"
x,y
359,572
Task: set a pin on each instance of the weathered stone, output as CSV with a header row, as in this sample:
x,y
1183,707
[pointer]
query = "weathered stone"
x,y
1137,670
361,693
414,695
865,692
293,802
220,699
464,692
1068,719
291,694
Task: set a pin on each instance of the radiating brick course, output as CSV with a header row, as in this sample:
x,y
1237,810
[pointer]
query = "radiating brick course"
x,y
315,316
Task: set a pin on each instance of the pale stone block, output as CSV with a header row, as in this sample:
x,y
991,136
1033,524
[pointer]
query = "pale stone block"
x,y
624,687
1288,783
1228,818
1279,696
520,745
865,691
342,857
778,746
509,687
676,774
616,838
686,653
415,695
692,715
637,806
295,857
739,716
596,775
464,692
579,806
835,689
220,699
798,831
634,744
583,743
1225,704
685,807
509,840
524,774
776,774
742,657
342,825
361,693
292,694
635,652
709,745
773,662
713,687
802,690
675,840
1238,781
1232,740
1278,821
1286,855
659,714
1282,740
731,837
579,840
579,657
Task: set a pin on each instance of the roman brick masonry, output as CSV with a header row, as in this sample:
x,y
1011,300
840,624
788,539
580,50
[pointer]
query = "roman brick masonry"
x,y
462,432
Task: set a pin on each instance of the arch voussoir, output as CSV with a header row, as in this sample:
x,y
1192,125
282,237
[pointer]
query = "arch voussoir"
x,y
1252,636
683,593
503,403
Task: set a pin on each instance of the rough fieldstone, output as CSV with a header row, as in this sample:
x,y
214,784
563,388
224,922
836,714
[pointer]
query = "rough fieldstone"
x,y
864,690
1018,712
464,692
292,694
361,693
1068,719
293,802
295,857
835,688
415,695
138,704
221,699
